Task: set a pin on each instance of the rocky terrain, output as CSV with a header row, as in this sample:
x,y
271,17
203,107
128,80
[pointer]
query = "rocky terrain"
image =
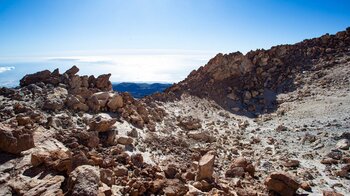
x,y
271,122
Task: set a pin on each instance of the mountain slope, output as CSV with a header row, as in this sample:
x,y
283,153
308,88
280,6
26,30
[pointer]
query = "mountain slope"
x,y
248,84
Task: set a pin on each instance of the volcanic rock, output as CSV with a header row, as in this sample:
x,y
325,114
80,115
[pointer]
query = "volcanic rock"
x,y
84,180
282,183
15,140
101,123
343,144
206,166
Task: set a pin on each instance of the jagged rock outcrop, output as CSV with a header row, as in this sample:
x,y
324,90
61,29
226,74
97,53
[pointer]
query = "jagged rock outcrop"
x,y
248,84
15,140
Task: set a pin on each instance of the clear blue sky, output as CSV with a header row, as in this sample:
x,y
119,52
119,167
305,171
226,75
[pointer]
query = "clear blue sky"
x,y
61,28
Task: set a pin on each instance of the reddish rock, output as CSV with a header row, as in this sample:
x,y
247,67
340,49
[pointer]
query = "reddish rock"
x,y
331,193
101,123
282,183
41,76
72,71
206,166
15,140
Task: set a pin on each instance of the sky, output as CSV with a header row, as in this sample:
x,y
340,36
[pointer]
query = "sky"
x,y
151,40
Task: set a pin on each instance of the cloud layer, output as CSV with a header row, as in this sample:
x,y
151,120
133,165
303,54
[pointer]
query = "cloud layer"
x,y
4,69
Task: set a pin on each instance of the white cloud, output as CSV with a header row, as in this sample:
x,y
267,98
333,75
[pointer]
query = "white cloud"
x,y
141,66
3,69
125,65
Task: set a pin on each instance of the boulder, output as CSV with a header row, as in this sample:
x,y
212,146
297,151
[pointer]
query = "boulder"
x,y
93,104
201,135
170,171
35,78
101,123
74,82
72,71
102,98
84,180
239,164
48,185
102,82
107,176
15,140
58,160
206,166
137,160
282,183
115,102
74,103
53,104
120,171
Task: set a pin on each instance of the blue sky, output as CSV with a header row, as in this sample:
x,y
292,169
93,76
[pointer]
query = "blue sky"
x,y
162,40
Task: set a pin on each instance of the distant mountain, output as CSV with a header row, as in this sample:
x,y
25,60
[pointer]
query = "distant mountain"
x,y
139,90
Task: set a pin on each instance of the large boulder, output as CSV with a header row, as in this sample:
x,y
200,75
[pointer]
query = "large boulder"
x,y
282,183
101,123
74,103
84,180
72,71
15,140
238,165
102,82
115,102
40,76
206,166
48,185
58,159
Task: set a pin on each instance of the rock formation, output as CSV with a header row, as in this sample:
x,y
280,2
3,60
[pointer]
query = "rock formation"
x,y
65,134
248,84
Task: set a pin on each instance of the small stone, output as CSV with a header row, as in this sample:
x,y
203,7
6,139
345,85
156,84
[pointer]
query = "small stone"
x,y
291,163
331,193
125,140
